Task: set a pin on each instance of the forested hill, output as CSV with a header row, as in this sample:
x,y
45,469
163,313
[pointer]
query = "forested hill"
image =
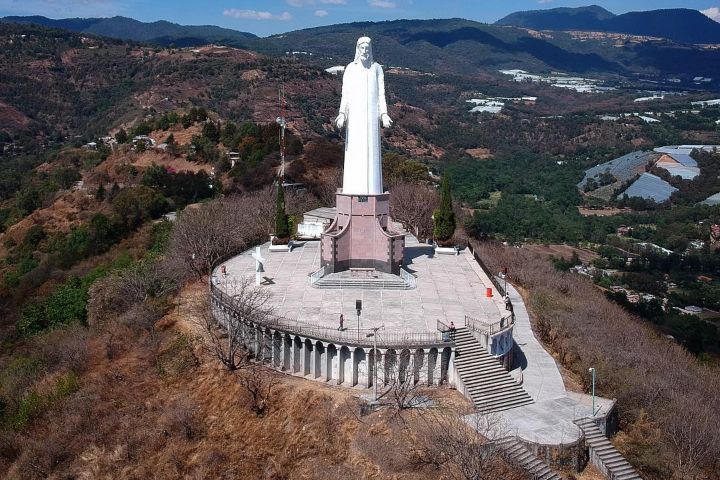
x,y
161,32
679,24
450,46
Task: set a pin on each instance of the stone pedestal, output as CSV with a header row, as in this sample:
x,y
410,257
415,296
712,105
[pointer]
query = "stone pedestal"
x,y
360,237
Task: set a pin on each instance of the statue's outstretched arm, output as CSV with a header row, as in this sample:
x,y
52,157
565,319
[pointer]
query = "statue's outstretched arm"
x,y
382,105
343,113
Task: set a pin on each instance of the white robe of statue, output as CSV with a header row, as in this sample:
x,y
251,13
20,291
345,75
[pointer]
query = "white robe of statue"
x,y
362,110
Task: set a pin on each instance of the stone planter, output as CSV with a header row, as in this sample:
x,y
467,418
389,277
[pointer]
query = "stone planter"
x,y
279,246
446,250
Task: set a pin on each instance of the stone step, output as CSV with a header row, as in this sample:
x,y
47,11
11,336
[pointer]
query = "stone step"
x,y
517,452
488,384
343,280
605,452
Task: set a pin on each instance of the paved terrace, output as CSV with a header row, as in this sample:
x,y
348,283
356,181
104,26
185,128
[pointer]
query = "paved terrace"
x,y
549,420
448,288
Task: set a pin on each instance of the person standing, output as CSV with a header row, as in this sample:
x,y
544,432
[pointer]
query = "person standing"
x,y
342,321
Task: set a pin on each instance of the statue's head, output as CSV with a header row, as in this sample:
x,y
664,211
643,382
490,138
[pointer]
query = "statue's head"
x,y
363,50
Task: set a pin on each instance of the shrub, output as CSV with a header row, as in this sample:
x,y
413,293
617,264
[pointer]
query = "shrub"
x,y
444,217
135,205
282,227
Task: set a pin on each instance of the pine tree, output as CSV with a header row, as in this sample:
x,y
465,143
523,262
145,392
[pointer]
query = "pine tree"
x,y
444,217
100,194
114,190
121,136
282,227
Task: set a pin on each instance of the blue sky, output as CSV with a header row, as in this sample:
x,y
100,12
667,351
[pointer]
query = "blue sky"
x,y
276,16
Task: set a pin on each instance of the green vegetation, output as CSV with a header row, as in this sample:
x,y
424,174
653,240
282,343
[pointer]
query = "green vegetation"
x,y
67,304
399,168
181,188
444,217
282,226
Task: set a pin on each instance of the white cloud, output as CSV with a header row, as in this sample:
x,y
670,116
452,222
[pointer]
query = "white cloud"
x,y
382,4
321,13
545,1
302,3
255,14
64,8
712,12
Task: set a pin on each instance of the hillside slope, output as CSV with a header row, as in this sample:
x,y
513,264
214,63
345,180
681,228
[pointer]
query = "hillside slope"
x,y
678,24
161,32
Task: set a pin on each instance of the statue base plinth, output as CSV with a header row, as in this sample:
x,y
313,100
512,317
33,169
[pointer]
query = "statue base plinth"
x,y
360,237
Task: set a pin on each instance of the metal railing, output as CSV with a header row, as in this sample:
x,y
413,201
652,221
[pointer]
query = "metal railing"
x,y
408,277
491,276
481,326
315,276
348,336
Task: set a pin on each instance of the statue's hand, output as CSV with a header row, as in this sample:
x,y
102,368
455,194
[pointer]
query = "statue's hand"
x,y
340,121
386,120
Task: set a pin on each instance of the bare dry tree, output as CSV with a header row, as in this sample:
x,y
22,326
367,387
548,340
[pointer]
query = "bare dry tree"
x,y
299,202
224,329
204,235
327,190
462,446
694,443
259,383
402,388
412,205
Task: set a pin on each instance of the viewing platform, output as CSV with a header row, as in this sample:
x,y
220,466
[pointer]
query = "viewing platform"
x,y
303,336
448,288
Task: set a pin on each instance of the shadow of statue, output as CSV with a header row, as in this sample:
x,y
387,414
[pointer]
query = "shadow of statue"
x,y
418,251
519,358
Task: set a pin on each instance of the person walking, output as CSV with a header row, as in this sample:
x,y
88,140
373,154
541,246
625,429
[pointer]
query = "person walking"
x,y
342,320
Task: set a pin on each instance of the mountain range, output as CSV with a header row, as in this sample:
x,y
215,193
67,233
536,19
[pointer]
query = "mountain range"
x,y
465,47
161,32
679,24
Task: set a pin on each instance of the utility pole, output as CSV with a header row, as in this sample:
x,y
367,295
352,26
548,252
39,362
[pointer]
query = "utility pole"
x,y
358,308
592,370
505,273
375,358
283,123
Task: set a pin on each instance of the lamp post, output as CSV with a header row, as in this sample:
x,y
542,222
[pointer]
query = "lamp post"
x,y
358,308
592,370
375,359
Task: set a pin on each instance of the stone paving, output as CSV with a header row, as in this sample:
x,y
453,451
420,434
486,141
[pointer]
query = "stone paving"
x,y
549,420
448,288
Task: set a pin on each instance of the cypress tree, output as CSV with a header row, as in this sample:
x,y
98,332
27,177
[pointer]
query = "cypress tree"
x,y
282,227
100,194
444,217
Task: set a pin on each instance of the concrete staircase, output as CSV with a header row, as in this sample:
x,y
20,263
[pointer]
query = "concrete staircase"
x,y
604,455
379,282
487,383
516,452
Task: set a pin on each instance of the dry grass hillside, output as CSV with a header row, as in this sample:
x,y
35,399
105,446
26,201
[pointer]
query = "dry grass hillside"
x,y
155,406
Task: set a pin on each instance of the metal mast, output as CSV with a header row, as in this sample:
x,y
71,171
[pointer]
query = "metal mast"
x,y
283,123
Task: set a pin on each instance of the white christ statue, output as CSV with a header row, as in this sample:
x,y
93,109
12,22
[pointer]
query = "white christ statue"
x,y
362,110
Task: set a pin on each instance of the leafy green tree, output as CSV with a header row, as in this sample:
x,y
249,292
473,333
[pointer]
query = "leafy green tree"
x,y
444,217
121,136
142,128
100,194
66,176
397,168
135,205
211,132
282,226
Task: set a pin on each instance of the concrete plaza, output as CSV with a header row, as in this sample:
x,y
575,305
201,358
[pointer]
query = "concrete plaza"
x,y
449,287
